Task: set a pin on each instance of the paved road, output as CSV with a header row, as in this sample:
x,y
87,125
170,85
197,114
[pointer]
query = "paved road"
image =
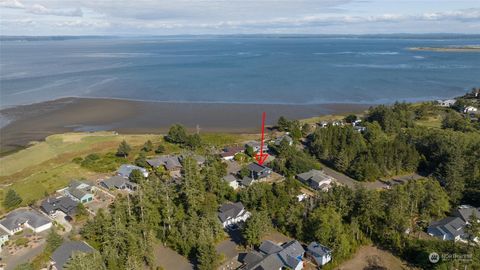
x,y
352,183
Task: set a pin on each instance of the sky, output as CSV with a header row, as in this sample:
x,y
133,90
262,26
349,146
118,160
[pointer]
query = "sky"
x,y
176,17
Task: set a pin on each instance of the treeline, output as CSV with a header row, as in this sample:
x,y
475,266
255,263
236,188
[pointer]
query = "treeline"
x,y
392,144
364,157
181,215
345,219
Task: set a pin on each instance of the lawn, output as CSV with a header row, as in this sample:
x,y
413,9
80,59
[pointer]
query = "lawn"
x,y
431,122
47,166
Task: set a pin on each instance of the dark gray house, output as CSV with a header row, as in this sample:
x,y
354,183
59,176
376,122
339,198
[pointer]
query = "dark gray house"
x,y
258,172
466,212
274,256
65,204
64,253
449,228
118,182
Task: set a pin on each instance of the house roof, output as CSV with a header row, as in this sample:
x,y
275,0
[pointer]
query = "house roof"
x,y
18,217
319,249
168,161
198,158
3,232
231,151
252,258
230,210
246,181
292,253
230,178
452,225
63,254
114,182
466,212
283,137
314,175
255,167
77,193
269,247
125,169
274,256
64,204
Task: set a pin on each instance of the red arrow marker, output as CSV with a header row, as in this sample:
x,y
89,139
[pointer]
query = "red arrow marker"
x,y
260,157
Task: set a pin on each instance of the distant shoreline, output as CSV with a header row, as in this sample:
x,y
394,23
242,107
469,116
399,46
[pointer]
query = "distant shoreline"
x,y
475,48
34,122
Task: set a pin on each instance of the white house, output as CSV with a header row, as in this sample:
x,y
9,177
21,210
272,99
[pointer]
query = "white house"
x,y
19,219
446,102
3,238
230,152
470,109
319,253
232,213
126,169
316,179
231,180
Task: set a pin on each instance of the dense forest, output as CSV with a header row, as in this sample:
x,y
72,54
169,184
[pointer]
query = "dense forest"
x,y
393,144
182,214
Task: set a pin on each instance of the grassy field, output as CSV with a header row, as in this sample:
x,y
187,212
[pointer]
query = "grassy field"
x,y
47,166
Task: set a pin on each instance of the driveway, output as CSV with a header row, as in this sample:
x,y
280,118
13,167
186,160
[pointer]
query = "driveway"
x,y
22,256
170,259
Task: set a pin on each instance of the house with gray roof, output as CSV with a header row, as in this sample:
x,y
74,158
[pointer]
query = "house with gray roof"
x,y
449,228
465,212
65,204
79,191
170,163
126,169
19,219
230,152
316,179
198,158
256,146
319,253
232,213
231,180
275,256
61,256
118,182
258,172
246,181
282,138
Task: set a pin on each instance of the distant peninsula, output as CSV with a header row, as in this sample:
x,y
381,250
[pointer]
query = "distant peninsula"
x,y
467,48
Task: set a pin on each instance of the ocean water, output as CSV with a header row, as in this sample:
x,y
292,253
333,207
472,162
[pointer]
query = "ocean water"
x,y
254,69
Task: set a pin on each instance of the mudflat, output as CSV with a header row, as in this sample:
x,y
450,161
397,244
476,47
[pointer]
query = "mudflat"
x,y
34,122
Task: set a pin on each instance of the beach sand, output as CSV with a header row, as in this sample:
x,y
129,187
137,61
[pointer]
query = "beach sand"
x,y
35,122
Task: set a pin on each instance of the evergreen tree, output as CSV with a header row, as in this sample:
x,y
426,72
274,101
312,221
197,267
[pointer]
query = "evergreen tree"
x,y
12,199
160,149
147,146
141,160
255,227
123,149
136,176
207,257
283,124
81,261
177,134
54,241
